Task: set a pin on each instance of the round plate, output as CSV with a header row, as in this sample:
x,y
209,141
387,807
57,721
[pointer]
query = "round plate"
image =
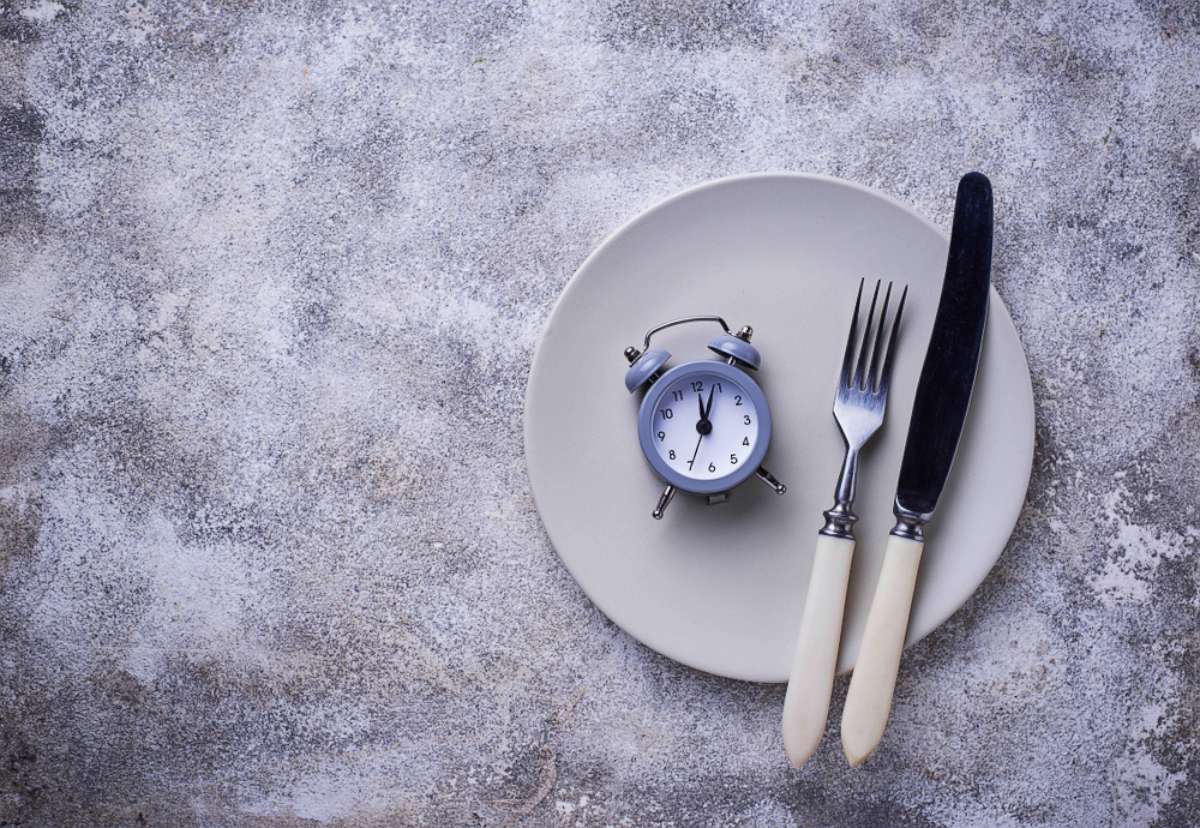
x,y
721,588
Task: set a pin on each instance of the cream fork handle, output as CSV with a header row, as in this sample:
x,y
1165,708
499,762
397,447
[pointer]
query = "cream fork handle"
x,y
869,699
806,705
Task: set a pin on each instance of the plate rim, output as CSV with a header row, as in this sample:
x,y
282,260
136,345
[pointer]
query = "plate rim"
x,y
540,354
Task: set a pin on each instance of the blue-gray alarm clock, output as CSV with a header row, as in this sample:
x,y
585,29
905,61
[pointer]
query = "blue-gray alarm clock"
x,y
704,426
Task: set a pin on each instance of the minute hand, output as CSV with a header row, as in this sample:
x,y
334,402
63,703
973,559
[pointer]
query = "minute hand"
x,y
939,412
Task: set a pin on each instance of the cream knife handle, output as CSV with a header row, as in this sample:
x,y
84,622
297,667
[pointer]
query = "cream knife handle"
x,y
806,705
869,699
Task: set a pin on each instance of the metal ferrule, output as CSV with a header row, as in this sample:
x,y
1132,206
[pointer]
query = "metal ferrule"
x,y
909,524
839,522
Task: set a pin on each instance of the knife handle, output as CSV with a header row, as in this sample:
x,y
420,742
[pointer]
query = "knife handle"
x,y
869,699
806,705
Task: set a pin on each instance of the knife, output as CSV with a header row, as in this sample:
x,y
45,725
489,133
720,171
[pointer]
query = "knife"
x,y
939,411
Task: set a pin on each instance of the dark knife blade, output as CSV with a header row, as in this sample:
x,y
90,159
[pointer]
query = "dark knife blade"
x,y
948,374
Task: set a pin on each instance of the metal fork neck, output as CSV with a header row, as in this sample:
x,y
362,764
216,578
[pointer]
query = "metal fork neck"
x,y
840,520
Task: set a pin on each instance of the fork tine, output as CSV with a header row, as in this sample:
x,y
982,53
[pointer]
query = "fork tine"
x,y
871,381
866,342
885,375
848,359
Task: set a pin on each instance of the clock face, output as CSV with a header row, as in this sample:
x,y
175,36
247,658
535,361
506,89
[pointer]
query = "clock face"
x,y
705,425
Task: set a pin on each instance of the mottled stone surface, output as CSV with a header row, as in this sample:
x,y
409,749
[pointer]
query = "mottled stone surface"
x,y
270,283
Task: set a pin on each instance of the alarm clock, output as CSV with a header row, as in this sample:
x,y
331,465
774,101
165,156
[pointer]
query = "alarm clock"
x,y
704,426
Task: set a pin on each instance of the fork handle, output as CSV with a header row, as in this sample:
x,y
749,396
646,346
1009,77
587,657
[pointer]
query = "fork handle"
x,y
869,699
806,705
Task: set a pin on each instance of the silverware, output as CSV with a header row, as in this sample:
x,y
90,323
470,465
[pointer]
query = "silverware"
x,y
858,408
939,411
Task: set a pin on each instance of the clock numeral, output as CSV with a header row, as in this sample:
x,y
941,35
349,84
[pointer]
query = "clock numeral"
x,y
746,419
690,462
711,467
698,385
668,414
662,435
677,395
737,399
733,459
745,441
671,454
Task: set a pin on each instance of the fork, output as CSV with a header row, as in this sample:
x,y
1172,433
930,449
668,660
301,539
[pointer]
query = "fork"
x,y
858,408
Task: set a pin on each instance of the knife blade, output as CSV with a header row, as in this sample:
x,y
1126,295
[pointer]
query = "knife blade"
x,y
940,407
948,374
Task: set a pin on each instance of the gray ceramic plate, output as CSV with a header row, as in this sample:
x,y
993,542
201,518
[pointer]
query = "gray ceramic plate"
x,y
721,588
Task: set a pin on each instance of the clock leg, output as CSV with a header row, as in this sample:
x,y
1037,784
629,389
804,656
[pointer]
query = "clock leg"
x,y
663,501
768,478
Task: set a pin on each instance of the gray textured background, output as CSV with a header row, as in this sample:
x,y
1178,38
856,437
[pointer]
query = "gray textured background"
x,y
270,282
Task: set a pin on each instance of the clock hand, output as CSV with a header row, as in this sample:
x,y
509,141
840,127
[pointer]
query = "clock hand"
x,y
692,462
703,425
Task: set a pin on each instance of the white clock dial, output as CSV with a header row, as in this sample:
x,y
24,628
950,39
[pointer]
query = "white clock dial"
x,y
704,425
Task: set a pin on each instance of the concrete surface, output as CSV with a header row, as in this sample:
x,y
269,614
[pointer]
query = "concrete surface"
x,y
270,281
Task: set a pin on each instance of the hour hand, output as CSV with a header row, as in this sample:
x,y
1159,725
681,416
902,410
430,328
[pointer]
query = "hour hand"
x,y
708,407
703,425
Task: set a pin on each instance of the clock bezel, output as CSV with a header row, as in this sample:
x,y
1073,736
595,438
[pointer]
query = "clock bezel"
x,y
673,476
